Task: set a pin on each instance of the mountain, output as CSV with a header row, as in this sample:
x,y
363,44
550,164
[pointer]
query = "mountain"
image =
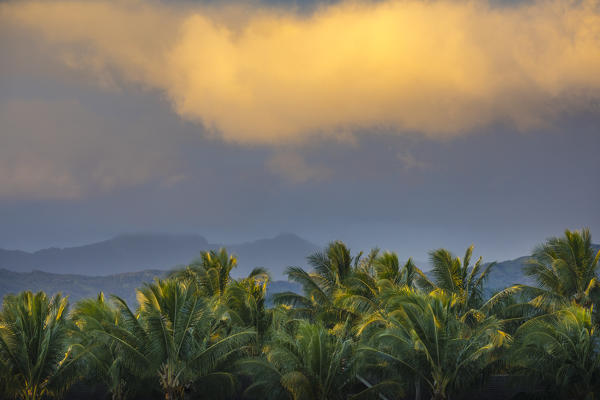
x,y
80,286
135,252
275,254
123,253
510,272
279,251
77,286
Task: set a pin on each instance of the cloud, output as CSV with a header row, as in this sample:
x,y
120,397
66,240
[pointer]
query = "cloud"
x,y
409,161
61,150
293,167
273,76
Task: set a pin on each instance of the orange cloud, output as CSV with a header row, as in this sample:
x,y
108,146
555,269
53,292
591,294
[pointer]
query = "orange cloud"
x,y
270,76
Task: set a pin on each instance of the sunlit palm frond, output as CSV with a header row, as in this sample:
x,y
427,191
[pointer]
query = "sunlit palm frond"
x,y
35,345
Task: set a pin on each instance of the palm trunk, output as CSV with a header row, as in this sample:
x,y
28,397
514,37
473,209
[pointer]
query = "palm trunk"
x,y
117,395
417,389
438,396
174,393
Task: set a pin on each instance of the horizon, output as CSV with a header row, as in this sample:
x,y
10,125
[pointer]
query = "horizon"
x,y
423,260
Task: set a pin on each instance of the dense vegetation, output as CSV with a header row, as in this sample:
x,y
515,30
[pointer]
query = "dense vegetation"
x,y
366,326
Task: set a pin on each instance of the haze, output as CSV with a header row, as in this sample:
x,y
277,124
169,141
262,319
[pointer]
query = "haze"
x,y
410,125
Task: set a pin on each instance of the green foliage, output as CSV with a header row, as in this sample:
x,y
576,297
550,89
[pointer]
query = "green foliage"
x,y
178,334
333,269
387,267
367,327
561,351
246,303
210,274
97,319
34,345
175,335
426,341
566,269
309,363
456,277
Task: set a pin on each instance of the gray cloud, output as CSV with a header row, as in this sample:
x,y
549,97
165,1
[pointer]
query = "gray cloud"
x,y
63,149
88,151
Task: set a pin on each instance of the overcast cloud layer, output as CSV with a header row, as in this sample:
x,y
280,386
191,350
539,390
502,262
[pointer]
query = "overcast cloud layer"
x,y
264,75
409,124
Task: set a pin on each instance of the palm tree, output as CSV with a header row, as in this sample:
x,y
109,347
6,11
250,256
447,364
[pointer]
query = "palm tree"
x,y
561,351
566,269
388,268
96,318
35,345
210,273
332,270
310,363
246,302
175,336
362,295
456,277
426,342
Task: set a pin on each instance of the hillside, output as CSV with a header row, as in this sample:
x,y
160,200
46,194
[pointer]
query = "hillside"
x,y
136,252
80,286
123,285
76,286
507,273
510,272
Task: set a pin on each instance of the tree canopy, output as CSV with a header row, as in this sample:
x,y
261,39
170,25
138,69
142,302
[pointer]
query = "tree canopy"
x,y
364,326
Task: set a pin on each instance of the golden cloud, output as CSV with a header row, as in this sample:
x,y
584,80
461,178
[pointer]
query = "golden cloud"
x,y
273,76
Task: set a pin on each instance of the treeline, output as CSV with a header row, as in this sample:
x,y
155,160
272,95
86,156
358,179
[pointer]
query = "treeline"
x,y
366,326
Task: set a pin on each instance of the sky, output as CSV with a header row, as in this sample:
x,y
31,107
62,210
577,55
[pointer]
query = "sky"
x,y
407,124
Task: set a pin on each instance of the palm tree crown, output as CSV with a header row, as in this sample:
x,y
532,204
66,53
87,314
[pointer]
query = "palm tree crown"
x,y
567,344
34,344
455,276
309,363
425,340
210,273
332,270
176,335
566,269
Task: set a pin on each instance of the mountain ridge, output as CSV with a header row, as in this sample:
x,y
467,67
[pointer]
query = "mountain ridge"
x,y
274,253
147,251
504,274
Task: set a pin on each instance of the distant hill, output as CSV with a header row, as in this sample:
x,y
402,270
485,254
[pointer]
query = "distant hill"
x,y
79,286
76,286
289,247
275,254
510,272
135,252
